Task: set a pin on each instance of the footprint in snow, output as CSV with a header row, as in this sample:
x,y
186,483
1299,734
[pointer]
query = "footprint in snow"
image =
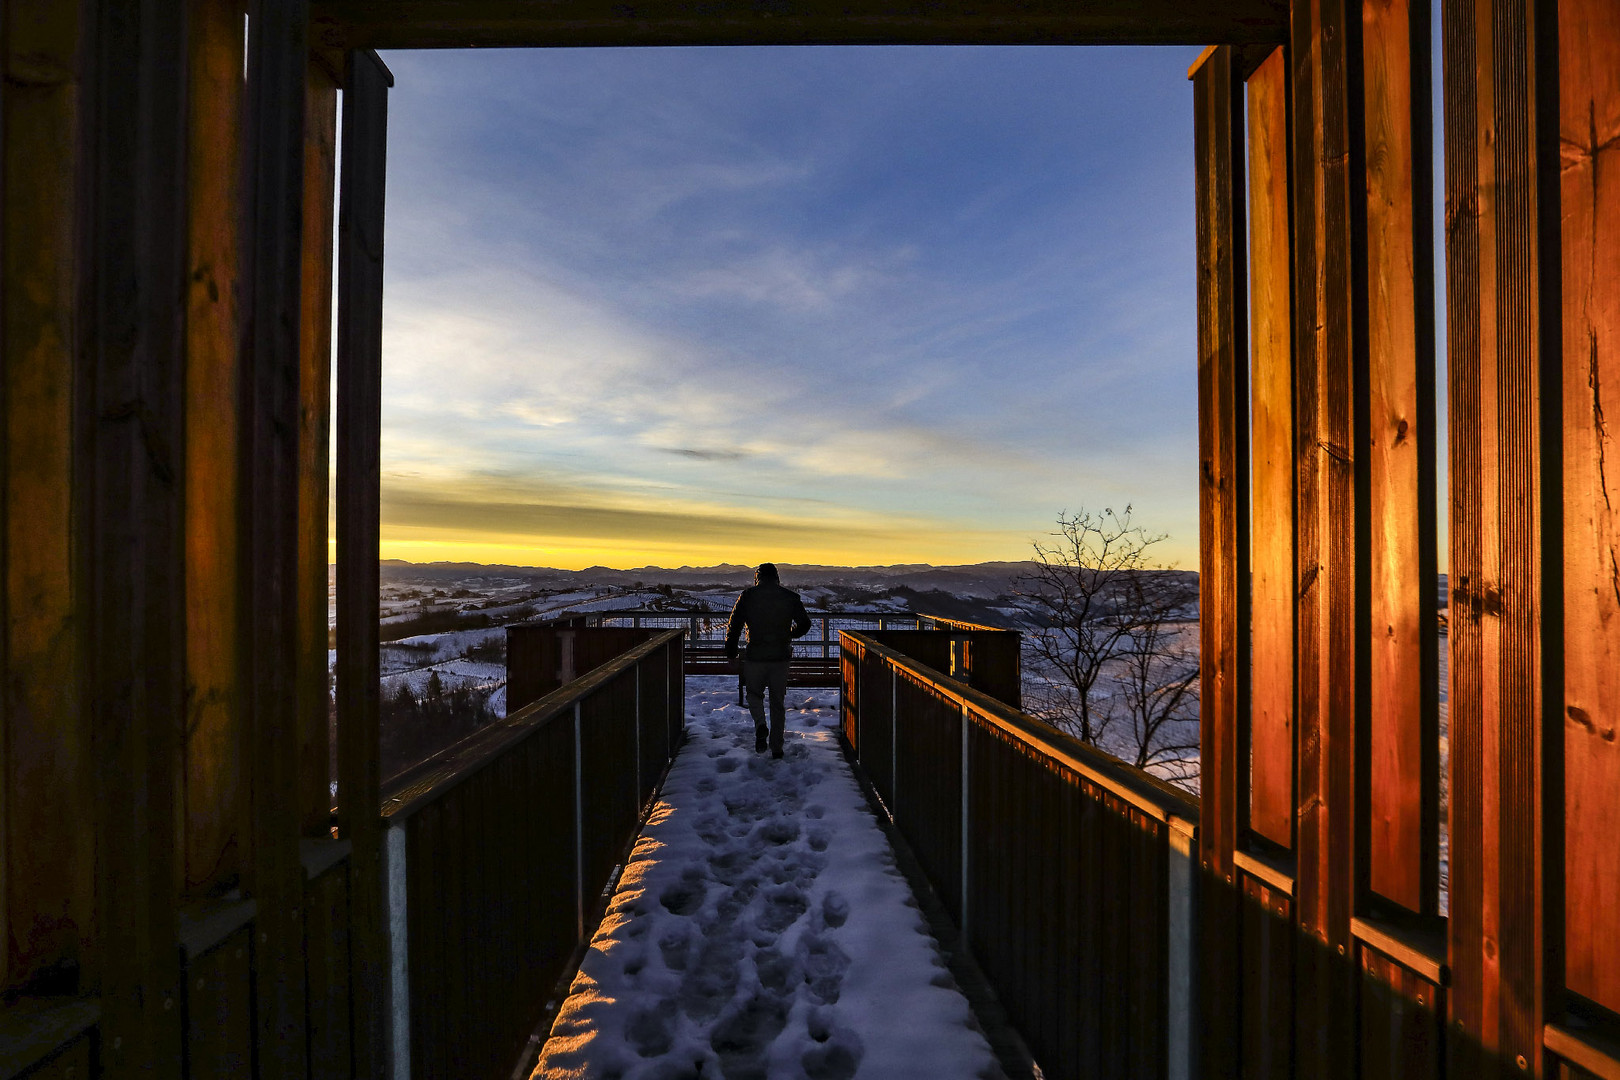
x,y
834,909
651,1029
742,1038
824,966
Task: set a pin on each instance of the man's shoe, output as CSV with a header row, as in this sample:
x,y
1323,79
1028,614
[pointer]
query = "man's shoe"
x,y
777,754
759,743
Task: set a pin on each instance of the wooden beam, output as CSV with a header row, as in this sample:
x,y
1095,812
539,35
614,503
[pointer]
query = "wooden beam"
x,y
47,843
269,430
1271,728
359,379
1403,721
314,450
1501,197
214,826
128,476
1589,132
1218,135
1325,175
427,24
1223,531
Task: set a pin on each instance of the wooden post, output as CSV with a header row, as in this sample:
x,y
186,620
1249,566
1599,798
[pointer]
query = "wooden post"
x,y
1402,834
269,428
1271,725
217,781
1502,294
47,830
130,396
1326,168
359,377
1223,532
314,450
1589,117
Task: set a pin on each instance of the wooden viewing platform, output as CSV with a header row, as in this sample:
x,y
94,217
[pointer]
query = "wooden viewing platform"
x,y
180,900
548,655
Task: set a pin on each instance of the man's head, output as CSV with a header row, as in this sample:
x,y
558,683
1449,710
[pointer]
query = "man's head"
x,y
766,572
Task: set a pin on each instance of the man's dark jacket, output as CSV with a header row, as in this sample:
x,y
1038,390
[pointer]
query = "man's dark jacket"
x,y
774,616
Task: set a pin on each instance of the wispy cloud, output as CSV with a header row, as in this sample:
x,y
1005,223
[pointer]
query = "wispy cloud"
x,y
874,285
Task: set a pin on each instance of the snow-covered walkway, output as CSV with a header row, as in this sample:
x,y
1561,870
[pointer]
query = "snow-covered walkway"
x,y
761,928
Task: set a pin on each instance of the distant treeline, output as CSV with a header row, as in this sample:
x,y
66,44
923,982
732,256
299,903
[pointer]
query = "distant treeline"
x,y
413,728
441,621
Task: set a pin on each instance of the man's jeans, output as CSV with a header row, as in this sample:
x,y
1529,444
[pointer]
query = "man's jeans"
x,y
757,676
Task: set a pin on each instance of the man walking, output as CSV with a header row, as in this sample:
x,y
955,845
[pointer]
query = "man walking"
x,y
774,617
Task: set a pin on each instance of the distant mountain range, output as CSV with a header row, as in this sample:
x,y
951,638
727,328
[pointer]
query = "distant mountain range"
x,y
987,579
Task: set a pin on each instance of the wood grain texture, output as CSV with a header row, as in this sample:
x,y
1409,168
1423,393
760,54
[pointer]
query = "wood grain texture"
x,y
1501,447
359,401
326,949
1271,725
1223,510
1268,981
1400,1020
130,388
219,1010
1223,516
276,65
391,24
1589,140
315,749
1324,173
1464,227
216,780
46,841
1402,736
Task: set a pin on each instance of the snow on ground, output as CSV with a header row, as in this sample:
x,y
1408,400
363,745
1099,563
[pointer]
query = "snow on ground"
x,y
453,675
761,928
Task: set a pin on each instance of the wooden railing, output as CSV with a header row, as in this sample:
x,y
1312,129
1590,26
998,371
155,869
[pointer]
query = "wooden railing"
x,y
815,658
1069,873
498,853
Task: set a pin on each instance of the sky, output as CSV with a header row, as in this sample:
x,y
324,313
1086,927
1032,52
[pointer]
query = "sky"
x,y
816,305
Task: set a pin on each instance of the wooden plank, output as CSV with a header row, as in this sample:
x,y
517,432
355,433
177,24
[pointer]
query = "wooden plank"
x,y
72,1062
1464,638
1222,447
219,1011
359,378
314,450
1268,963
1498,945
216,788
1589,121
326,948
1223,533
269,432
1271,780
35,1030
1403,736
46,856
1328,529
1400,1028
415,24
130,390
1585,1052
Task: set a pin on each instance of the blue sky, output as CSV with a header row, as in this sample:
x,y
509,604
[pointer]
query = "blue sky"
x,y
683,306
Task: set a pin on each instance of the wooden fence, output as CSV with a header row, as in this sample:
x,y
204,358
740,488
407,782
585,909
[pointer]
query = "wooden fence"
x,y
815,660
499,850
1070,873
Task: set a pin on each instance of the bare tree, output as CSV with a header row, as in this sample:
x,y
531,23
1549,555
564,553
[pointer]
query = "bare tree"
x,y
1157,673
1108,660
